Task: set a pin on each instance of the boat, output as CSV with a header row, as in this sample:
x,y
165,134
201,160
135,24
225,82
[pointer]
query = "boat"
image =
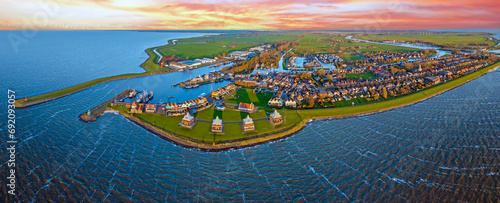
x,y
202,94
139,99
132,94
181,70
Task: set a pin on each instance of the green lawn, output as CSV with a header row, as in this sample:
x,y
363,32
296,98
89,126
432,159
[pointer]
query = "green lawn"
x,y
360,75
201,130
350,57
246,95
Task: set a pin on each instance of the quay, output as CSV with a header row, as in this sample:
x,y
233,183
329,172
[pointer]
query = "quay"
x,y
93,114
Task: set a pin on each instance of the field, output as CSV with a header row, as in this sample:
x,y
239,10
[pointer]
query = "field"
x,y
228,114
360,75
315,43
446,38
210,46
324,43
350,57
247,96
201,130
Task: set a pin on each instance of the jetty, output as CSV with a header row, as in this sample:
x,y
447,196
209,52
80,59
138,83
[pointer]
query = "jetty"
x,y
93,114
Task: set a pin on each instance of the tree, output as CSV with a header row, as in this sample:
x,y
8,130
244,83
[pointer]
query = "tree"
x,y
394,70
311,102
408,66
330,78
384,93
321,73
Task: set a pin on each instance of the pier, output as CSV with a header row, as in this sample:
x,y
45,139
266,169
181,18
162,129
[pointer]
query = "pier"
x,y
93,114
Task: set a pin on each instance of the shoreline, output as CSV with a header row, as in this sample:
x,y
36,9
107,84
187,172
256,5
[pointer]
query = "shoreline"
x,y
25,105
19,103
205,147
288,133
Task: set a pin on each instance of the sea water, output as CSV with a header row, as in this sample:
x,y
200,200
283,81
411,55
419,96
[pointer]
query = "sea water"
x,y
445,148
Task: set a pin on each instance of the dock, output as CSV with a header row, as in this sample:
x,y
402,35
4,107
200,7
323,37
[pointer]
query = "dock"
x,y
93,114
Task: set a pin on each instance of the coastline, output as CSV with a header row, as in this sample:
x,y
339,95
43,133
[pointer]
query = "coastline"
x,y
300,126
205,147
39,99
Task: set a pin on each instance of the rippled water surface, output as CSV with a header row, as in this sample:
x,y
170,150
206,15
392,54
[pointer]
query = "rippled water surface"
x,y
445,148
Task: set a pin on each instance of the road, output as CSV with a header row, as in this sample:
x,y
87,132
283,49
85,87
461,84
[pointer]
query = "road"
x,y
156,52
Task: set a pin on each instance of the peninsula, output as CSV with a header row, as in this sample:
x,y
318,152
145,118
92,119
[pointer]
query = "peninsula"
x,y
279,81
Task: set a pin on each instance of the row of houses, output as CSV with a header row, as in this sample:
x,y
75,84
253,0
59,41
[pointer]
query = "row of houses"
x,y
295,89
191,63
223,92
384,57
170,109
247,124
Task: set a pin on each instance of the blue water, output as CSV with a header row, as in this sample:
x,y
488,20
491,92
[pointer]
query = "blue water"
x,y
445,148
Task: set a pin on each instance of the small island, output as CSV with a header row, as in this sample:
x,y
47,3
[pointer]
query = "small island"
x,y
278,82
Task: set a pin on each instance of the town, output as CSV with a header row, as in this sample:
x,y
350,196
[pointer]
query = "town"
x,y
320,88
270,85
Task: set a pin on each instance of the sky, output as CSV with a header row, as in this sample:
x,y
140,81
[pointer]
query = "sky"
x,y
248,14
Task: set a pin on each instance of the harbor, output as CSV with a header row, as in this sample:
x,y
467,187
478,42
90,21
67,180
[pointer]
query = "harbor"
x,y
93,114
211,77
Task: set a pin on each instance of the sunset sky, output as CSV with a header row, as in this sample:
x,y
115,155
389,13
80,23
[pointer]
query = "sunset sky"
x,y
246,15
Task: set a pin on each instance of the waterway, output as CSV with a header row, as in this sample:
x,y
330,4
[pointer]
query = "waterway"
x,y
440,52
445,148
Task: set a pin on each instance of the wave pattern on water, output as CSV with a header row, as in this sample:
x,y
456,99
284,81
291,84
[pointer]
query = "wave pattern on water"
x,y
442,149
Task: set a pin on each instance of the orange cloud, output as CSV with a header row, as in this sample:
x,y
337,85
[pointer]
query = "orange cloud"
x,y
261,14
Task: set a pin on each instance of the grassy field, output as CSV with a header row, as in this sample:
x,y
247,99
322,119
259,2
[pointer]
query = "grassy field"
x,y
323,43
360,75
446,38
247,96
228,114
210,46
315,43
346,57
201,130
